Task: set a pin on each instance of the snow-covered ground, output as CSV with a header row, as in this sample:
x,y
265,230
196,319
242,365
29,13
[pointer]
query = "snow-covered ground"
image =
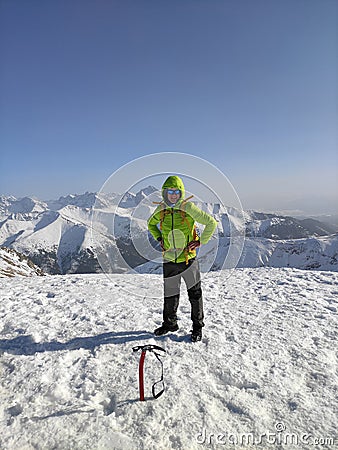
x,y
266,368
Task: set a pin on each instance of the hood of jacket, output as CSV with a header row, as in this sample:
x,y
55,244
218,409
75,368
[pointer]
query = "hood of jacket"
x,y
173,182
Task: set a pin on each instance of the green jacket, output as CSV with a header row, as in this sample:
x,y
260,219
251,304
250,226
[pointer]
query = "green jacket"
x,y
178,223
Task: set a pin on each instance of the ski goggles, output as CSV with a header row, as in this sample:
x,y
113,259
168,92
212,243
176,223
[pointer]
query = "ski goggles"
x,y
173,191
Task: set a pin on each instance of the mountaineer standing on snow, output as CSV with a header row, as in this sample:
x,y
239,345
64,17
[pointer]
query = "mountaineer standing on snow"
x,y
173,225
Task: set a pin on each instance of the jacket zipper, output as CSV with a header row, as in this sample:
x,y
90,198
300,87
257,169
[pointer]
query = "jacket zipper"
x,y
172,229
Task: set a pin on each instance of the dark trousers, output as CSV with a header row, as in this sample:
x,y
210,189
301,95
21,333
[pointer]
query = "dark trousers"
x,y
172,275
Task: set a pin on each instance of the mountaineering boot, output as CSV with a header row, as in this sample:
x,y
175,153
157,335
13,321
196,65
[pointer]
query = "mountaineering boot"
x,y
196,334
165,329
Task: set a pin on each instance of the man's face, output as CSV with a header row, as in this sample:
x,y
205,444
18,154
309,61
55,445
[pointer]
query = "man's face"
x,y
174,195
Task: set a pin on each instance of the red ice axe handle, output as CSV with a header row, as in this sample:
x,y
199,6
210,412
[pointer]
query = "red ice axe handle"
x,y
140,375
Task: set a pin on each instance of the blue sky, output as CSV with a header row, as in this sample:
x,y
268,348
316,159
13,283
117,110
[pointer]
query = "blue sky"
x,y
249,85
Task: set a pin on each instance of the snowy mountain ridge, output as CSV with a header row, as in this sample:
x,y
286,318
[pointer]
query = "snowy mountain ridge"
x,y
11,204
56,234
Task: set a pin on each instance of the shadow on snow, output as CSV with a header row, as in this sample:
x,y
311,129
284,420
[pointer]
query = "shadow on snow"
x,y
25,345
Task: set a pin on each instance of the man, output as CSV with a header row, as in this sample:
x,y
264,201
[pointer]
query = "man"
x,y
173,225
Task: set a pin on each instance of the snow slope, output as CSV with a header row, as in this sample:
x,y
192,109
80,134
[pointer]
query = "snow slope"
x,y
267,364
13,263
310,253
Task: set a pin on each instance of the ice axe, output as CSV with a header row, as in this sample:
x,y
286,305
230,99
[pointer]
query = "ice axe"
x,y
144,349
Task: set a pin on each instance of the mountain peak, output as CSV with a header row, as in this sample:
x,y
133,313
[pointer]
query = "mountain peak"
x,y
130,200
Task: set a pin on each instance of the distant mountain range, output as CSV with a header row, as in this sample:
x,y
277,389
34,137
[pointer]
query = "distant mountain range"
x,y
56,235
